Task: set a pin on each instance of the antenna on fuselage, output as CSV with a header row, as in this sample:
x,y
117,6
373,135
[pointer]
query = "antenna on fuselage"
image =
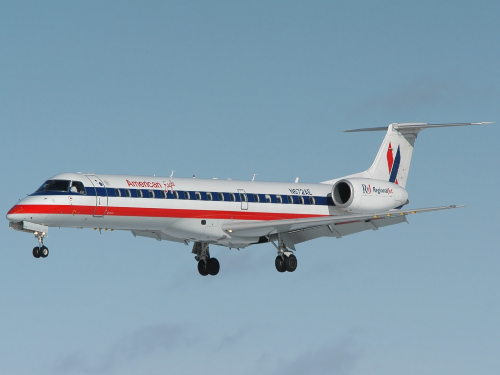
x,y
297,180
253,178
172,174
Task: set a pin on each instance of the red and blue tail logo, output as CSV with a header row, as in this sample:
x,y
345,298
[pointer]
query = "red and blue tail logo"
x,y
393,163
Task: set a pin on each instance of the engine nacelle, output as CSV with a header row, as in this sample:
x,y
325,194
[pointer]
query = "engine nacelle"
x,y
363,195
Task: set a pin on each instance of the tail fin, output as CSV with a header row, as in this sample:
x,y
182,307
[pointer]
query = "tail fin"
x,y
392,162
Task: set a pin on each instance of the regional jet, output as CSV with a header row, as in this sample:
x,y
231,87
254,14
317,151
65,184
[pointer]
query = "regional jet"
x,y
230,213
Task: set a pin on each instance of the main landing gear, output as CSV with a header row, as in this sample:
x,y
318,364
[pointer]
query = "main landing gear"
x,y
206,264
40,251
285,261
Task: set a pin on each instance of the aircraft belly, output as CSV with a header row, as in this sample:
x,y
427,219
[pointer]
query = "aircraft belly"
x,y
195,229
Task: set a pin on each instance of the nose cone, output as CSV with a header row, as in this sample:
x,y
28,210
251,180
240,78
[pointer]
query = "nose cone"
x,y
15,213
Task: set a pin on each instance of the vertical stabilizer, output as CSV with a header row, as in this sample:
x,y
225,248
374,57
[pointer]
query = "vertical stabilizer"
x,y
393,159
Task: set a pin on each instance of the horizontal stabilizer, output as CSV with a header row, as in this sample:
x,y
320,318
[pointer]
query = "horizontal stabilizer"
x,y
415,126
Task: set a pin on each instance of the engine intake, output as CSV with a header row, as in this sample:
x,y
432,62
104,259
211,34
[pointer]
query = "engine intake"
x,y
343,193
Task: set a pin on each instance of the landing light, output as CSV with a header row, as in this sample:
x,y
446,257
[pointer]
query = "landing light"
x,y
230,230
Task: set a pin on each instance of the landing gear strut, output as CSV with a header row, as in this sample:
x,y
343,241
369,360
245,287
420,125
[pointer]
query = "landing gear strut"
x,y
40,251
206,264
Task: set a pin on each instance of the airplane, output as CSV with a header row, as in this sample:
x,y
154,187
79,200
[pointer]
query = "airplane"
x,y
231,213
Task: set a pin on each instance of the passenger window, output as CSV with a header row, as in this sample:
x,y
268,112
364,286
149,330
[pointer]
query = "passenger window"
x,y
162,193
139,193
198,196
232,197
151,194
268,198
176,194
279,199
290,199
243,197
301,200
118,193
221,196
312,200
187,195
209,196
256,198
127,193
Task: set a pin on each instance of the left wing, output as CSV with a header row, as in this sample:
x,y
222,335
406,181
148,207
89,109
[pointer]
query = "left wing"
x,y
334,224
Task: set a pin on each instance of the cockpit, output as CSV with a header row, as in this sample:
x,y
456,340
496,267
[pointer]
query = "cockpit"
x,y
62,186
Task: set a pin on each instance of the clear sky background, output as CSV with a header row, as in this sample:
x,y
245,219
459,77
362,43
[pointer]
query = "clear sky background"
x,y
229,89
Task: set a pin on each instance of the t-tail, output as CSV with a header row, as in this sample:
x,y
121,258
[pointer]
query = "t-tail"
x,y
393,159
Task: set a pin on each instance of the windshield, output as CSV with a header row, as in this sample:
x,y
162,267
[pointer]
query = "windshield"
x,y
55,185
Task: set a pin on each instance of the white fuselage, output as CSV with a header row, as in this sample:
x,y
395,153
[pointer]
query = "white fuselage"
x,y
181,208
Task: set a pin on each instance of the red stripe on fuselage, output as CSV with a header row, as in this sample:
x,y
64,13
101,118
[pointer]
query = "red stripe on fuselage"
x,y
155,212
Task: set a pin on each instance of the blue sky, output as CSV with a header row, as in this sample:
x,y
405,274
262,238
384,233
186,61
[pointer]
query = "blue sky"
x,y
229,89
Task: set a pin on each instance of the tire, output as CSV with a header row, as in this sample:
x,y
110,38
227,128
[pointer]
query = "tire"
x,y
44,252
202,268
291,263
279,263
36,252
213,266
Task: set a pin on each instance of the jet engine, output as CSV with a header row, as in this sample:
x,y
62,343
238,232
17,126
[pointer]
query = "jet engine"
x,y
363,195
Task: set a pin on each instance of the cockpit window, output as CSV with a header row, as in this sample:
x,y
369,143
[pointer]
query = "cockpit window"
x,y
55,185
63,186
77,187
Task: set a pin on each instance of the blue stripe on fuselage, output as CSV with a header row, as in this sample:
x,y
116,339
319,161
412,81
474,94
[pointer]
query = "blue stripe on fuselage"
x,y
110,192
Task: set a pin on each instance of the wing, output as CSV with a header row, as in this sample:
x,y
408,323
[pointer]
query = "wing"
x,y
301,230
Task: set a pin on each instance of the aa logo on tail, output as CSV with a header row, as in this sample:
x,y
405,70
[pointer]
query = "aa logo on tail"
x,y
393,163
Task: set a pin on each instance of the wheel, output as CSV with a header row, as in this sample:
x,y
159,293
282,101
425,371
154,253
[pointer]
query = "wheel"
x,y
291,263
279,264
36,252
213,266
44,252
202,268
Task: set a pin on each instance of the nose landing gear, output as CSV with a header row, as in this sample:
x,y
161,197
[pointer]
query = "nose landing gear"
x,y
40,251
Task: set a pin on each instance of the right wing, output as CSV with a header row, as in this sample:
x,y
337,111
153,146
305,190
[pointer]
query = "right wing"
x,y
337,226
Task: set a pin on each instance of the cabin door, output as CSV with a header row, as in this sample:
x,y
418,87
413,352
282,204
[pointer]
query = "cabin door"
x,y
243,199
101,195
